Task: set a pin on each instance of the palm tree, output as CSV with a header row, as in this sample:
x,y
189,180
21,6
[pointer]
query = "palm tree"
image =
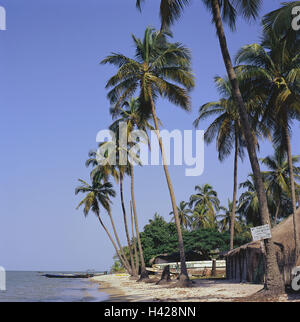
x,y
249,203
99,194
227,130
280,21
200,218
159,68
104,172
207,198
131,115
117,172
274,65
277,176
225,218
134,240
183,213
170,10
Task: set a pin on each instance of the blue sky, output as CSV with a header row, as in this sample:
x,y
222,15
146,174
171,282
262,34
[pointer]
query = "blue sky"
x,y
53,103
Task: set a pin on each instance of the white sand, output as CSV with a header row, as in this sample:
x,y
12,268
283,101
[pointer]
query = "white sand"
x,y
203,291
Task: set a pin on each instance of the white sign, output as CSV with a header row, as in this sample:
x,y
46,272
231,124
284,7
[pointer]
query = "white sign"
x,y
261,232
2,279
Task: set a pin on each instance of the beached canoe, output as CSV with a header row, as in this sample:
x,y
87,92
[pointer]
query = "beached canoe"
x,y
68,275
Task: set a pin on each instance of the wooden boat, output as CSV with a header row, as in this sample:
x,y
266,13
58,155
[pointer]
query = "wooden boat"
x,y
87,275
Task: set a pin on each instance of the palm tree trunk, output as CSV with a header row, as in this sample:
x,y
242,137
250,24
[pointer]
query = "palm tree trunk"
x,y
277,212
134,273
292,179
184,277
112,240
144,273
274,281
232,219
127,266
137,264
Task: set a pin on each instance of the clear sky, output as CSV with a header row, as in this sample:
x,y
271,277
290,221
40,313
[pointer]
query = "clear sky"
x,y
53,103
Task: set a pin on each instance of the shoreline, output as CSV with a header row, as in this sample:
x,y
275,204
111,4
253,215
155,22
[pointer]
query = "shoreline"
x,y
120,288
112,285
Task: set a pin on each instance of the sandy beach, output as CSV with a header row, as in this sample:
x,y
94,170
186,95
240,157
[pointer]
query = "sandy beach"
x,y
123,289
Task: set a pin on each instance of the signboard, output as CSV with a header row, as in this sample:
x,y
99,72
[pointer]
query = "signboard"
x,y
261,232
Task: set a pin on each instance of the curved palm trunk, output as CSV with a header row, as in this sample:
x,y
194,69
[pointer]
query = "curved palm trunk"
x,y
133,270
127,266
184,277
137,264
277,212
292,179
232,219
274,281
144,273
112,240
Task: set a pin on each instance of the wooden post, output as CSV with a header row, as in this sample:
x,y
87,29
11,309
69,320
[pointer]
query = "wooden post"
x,y
165,276
214,268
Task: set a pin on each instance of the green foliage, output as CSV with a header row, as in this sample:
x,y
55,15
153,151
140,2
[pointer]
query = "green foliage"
x,y
160,237
117,268
171,10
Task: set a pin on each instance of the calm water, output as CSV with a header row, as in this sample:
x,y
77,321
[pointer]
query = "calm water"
x,y
32,287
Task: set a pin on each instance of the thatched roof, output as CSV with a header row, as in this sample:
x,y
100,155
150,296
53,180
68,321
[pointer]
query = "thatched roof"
x,y
247,257
283,237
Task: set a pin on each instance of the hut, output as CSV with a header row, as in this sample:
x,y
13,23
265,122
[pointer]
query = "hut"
x,y
247,263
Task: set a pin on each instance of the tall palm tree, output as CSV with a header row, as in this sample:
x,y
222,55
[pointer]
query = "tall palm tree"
x,y
275,66
183,213
160,68
227,10
134,240
104,172
277,176
280,21
131,115
117,172
99,194
227,130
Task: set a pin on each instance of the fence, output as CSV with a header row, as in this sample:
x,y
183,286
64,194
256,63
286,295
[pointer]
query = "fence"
x,y
220,265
